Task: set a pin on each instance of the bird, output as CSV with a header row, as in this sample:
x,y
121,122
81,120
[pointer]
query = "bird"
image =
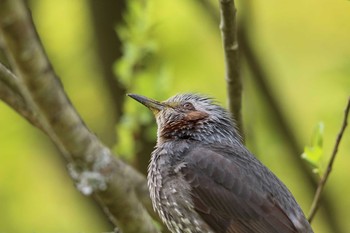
x,y
202,179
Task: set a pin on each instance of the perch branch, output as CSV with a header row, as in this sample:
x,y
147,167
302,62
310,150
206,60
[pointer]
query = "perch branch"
x,y
323,180
91,164
228,28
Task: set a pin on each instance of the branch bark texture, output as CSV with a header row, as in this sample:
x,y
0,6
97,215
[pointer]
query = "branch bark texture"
x,y
228,28
11,95
95,170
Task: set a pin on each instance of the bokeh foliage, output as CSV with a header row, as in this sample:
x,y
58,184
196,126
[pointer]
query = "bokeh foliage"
x,y
171,47
141,70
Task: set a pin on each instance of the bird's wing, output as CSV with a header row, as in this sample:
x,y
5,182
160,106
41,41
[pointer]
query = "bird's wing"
x,y
229,198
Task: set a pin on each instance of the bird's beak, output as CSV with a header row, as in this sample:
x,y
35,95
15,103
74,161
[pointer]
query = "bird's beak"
x,y
153,105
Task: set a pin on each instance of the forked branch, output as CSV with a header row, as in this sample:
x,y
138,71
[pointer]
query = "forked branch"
x,y
37,90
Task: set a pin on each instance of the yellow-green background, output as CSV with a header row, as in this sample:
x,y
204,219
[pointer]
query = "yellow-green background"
x,y
304,46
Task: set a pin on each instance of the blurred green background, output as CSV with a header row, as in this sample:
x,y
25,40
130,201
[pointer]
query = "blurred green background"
x,y
172,47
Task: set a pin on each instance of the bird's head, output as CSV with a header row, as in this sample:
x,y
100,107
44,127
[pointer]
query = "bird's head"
x,y
191,116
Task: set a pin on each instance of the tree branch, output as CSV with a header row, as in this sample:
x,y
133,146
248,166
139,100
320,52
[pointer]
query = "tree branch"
x,y
228,28
91,164
16,101
11,95
322,183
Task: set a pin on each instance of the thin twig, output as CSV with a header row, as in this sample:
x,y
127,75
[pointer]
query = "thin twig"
x,y
321,185
228,28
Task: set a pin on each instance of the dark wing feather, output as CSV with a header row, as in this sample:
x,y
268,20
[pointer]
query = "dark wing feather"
x,y
229,198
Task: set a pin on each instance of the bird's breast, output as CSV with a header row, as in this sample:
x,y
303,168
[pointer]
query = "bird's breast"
x,y
171,195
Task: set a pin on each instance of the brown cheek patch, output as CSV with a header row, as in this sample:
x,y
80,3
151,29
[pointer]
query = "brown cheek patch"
x,y
195,116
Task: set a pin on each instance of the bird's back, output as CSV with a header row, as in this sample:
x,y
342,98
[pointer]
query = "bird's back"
x,y
201,187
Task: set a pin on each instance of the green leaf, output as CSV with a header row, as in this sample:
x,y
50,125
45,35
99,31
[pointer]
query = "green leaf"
x,y
317,136
313,154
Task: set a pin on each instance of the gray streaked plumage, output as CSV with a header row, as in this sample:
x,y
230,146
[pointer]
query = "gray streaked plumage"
x,y
202,179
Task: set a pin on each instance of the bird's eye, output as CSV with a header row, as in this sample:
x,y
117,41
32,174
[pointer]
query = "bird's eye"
x,y
188,106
